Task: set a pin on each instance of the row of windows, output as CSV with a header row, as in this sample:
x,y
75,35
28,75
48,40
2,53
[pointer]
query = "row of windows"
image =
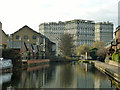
x,y
55,28
85,40
67,28
25,37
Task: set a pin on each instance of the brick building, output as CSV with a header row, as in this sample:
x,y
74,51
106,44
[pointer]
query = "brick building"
x,y
31,37
3,38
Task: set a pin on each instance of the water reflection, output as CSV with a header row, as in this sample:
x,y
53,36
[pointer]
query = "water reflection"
x,y
89,77
35,77
58,76
5,78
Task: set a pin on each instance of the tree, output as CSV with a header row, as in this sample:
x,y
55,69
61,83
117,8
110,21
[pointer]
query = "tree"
x,y
82,49
66,45
98,44
101,53
92,53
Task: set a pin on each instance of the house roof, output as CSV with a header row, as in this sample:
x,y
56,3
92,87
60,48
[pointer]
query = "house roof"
x,y
30,29
118,28
4,33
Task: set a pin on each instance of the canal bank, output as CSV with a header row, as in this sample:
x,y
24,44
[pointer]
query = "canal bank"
x,y
112,71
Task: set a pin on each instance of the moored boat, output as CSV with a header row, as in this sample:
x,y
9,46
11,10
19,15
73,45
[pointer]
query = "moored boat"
x,y
5,64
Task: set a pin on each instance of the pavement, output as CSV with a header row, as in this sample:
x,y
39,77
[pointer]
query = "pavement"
x,y
111,70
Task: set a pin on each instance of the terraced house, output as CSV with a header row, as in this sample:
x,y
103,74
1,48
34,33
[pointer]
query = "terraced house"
x,y
33,40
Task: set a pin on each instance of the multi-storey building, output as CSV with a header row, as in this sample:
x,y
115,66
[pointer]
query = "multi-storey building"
x,y
84,31
103,31
52,30
81,30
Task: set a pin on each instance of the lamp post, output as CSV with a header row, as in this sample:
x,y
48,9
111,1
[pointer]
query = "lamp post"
x,y
20,39
29,49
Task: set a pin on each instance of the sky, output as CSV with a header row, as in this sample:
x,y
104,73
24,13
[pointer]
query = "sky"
x,y
14,14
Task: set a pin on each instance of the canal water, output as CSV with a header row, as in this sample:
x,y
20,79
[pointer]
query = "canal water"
x,y
67,75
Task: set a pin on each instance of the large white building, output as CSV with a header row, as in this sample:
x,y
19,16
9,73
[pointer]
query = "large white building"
x,y
52,30
83,31
103,31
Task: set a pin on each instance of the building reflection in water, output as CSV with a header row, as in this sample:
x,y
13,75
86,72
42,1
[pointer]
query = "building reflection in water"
x,y
35,77
89,77
58,76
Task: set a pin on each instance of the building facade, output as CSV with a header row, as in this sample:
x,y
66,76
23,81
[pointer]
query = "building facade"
x,y
31,37
83,31
114,44
52,30
3,38
117,38
103,31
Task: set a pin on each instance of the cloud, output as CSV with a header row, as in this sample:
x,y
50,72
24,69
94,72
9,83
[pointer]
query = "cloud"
x,y
16,13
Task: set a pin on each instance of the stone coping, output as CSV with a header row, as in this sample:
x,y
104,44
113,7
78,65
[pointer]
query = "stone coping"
x,y
112,71
114,63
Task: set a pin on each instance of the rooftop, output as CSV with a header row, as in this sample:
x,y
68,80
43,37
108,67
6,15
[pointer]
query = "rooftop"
x,y
118,28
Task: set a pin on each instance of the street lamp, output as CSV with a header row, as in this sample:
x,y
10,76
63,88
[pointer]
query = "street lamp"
x,y
29,45
20,39
29,49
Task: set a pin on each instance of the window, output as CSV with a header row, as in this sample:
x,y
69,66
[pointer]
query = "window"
x,y
25,37
17,36
34,37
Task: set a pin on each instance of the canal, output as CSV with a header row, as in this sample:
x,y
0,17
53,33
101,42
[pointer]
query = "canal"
x,y
54,75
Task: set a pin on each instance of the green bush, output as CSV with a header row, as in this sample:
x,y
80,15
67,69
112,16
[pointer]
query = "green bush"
x,y
92,53
116,57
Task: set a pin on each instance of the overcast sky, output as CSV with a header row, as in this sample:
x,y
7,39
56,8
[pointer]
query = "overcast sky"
x,y
14,14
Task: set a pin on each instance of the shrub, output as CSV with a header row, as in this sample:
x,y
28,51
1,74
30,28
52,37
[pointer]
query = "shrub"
x,y
13,55
116,57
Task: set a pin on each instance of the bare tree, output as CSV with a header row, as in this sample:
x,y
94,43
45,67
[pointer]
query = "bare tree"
x,y
101,53
66,45
82,49
98,44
